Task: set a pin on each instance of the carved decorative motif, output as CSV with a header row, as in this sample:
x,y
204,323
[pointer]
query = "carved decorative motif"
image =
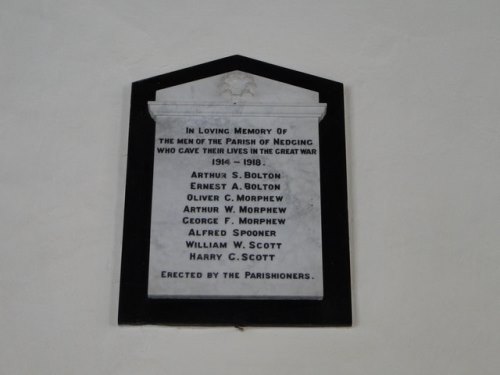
x,y
236,85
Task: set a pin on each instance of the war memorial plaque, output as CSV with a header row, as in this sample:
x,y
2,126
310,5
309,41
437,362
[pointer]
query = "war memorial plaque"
x,y
236,208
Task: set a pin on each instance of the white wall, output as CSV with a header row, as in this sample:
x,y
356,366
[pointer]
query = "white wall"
x,y
423,118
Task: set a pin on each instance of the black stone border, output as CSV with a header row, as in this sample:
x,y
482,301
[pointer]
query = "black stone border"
x,y
136,308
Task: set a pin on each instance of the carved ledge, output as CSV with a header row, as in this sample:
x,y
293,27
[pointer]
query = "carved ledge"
x,y
171,109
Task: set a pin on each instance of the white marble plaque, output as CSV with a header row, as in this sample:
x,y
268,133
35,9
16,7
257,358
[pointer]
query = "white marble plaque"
x,y
236,207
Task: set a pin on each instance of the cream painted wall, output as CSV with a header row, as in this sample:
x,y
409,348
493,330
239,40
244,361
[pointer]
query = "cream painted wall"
x,y
423,119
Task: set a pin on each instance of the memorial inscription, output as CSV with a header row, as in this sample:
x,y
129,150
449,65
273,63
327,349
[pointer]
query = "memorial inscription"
x,y
236,203
232,168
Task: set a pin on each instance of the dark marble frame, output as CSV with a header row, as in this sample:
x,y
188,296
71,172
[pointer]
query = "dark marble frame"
x,y
333,310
